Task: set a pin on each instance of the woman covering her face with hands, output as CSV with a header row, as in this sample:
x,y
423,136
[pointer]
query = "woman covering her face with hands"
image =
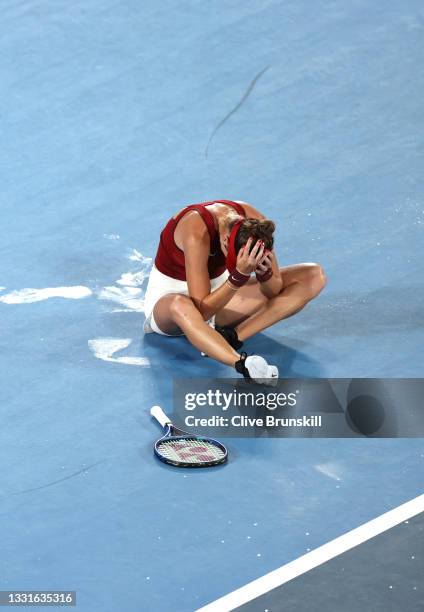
x,y
216,280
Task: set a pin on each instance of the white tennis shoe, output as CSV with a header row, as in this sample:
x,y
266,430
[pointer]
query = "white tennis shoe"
x,y
261,371
257,369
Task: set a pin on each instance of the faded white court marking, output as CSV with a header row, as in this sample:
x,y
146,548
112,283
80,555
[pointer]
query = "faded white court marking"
x,y
105,349
127,293
29,295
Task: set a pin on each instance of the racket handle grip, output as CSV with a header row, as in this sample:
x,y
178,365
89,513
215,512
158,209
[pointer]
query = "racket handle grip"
x,y
159,415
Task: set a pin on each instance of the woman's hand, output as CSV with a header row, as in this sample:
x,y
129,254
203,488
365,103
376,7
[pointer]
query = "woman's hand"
x,y
266,263
249,257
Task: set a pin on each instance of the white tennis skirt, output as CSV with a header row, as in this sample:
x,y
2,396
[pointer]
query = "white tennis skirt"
x,y
159,285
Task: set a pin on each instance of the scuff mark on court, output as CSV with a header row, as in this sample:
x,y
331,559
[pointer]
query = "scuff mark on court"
x,y
330,470
54,482
236,108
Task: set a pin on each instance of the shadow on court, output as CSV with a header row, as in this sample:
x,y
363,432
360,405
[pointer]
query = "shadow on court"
x,y
176,357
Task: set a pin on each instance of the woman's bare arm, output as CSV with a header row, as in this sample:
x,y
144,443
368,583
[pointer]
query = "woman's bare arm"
x,y
196,246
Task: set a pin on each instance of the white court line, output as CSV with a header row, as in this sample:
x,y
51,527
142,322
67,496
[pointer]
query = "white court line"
x,y
316,557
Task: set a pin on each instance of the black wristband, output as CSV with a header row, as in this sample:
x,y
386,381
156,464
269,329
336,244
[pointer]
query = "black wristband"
x,y
265,276
237,278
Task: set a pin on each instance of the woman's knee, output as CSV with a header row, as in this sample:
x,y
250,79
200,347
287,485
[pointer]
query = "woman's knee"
x,y
315,280
309,276
181,308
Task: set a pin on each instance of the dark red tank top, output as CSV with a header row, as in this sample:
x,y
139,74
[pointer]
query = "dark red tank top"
x,y
170,259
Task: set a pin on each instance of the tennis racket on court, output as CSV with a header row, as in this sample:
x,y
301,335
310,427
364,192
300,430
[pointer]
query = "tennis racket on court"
x,y
183,449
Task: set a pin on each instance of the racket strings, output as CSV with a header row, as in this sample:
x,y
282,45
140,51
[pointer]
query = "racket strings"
x,y
190,450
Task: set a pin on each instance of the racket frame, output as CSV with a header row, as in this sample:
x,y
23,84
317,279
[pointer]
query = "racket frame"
x,y
174,433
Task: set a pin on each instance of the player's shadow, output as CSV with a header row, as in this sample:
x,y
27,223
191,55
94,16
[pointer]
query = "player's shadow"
x,y
290,355
177,357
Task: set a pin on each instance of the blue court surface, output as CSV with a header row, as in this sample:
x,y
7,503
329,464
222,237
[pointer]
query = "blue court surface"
x,y
114,115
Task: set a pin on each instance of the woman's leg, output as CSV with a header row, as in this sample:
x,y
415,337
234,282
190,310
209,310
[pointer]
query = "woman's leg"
x,y
175,313
251,312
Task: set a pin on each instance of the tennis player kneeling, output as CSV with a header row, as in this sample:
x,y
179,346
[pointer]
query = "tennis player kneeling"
x,y
216,279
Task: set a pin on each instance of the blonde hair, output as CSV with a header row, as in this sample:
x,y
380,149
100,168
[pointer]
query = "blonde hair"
x,y
229,218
